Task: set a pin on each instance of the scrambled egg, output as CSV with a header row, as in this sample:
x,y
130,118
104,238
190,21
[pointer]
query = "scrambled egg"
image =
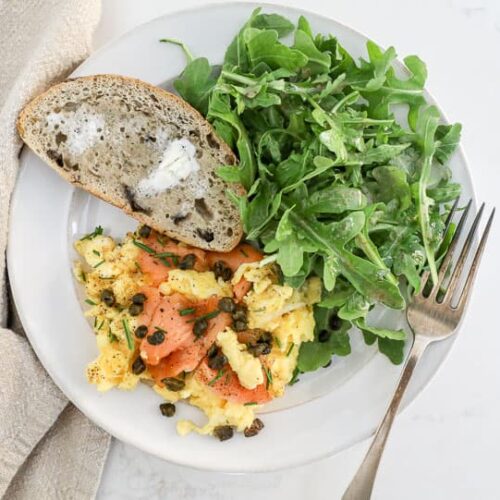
x,y
283,311
279,309
247,367
195,285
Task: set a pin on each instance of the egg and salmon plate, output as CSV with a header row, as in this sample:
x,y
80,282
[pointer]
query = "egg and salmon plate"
x,y
217,330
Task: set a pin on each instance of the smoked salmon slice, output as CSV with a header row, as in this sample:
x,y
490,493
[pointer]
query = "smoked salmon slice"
x,y
168,255
189,356
153,298
227,386
177,331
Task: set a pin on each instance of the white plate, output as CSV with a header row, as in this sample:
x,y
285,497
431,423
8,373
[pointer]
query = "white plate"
x,y
326,412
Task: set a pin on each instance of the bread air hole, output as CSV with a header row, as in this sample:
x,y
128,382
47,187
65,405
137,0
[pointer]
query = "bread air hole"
x,y
212,141
201,207
205,234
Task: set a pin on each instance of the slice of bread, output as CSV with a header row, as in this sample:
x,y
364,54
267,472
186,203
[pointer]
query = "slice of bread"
x,y
140,148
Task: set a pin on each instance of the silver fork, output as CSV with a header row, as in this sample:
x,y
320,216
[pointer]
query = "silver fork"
x,y
432,317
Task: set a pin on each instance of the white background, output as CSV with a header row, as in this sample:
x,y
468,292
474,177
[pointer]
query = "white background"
x,y
447,444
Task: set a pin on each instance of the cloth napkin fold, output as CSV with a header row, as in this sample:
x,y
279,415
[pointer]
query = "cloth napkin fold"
x,y
48,449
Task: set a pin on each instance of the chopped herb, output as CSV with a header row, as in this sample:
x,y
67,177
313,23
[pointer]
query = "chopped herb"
x,y
128,334
138,266
100,326
290,350
269,376
97,232
98,264
112,337
164,261
160,239
95,252
166,254
278,342
187,311
243,252
209,315
144,247
90,302
251,403
159,329
295,376
220,373
95,321
83,276
162,257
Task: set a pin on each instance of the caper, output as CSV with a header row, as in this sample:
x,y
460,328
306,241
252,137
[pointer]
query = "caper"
x,y
144,231
223,432
212,351
173,384
167,409
239,312
218,361
156,338
136,309
139,298
200,327
188,261
324,336
254,429
222,270
226,304
108,297
335,322
240,325
259,349
141,331
266,338
138,366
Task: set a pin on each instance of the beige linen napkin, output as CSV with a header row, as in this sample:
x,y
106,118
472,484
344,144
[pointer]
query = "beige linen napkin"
x,y
48,449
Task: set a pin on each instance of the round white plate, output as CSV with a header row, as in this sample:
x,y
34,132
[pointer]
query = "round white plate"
x,y
324,413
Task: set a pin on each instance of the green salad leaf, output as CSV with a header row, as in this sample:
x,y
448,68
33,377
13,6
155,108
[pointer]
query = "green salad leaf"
x,y
345,167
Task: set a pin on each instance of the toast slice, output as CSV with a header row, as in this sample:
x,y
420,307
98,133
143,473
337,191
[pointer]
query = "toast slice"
x,y
141,149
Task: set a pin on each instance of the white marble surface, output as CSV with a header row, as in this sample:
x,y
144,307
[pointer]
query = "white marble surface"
x,y
447,444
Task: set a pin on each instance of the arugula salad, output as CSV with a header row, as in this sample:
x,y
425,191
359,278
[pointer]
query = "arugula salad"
x,y
336,186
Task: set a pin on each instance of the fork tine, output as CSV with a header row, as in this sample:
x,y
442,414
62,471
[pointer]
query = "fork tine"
x,y
463,256
423,281
451,249
451,214
464,296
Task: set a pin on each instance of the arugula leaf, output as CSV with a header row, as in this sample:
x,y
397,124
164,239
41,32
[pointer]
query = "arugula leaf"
x,y
275,22
315,354
392,184
390,342
318,62
363,275
196,83
220,108
449,138
335,199
426,129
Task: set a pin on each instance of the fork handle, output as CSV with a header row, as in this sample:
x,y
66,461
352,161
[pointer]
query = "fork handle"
x,y
361,485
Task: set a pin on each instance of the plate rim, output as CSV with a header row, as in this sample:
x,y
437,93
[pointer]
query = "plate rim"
x,y
16,292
